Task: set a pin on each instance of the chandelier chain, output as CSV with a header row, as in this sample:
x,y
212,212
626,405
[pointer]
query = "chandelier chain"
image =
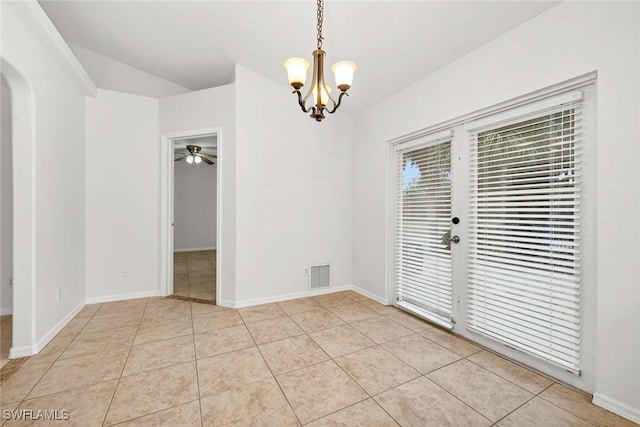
x,y
319,27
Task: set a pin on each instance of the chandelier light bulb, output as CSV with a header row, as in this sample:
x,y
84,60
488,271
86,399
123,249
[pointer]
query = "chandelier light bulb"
x,y
296,71
324,95
343,71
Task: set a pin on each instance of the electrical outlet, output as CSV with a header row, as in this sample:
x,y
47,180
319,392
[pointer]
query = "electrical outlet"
x,y
125,271
58,294
306,271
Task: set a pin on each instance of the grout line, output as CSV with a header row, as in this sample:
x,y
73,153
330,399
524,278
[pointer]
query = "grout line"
x,y
124,365
195,361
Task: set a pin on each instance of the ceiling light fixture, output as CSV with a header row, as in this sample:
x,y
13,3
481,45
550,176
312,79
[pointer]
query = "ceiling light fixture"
x,y
297,72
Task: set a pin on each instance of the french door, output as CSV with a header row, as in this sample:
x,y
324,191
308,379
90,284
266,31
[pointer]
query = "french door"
x,y
489,231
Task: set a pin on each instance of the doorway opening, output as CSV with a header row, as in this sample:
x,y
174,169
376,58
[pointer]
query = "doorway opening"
x,y
194,213
6,225
191,215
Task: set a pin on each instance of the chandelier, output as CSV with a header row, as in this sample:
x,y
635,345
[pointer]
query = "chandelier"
x,y
297,72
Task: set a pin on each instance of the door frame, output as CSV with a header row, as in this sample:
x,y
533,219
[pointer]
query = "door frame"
x,y
167,204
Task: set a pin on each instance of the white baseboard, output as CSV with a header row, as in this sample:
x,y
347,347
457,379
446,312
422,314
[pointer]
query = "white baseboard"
x,y
16,352
5,311
369,295
208,248
283,297
122,297
617,407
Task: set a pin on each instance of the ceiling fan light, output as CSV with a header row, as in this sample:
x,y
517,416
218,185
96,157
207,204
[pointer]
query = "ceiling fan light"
x,y
343,71
197,159
296,71
189,159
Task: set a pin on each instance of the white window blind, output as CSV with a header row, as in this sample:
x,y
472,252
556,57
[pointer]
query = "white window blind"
x,y
423,263
524,238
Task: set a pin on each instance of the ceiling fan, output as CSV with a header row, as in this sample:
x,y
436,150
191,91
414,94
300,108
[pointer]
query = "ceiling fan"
x,y
194,156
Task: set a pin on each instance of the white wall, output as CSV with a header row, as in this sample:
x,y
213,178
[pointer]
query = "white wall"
x,y
122,195
6,201
57,88
202,109
194,206
569,40
107,73
293,191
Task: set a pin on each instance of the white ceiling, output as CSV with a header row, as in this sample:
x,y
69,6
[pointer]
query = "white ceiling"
x,y
195,44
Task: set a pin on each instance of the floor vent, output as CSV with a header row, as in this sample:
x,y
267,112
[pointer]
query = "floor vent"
x,y
319,276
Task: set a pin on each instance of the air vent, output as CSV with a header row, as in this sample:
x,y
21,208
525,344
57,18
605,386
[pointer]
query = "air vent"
x,y
319,276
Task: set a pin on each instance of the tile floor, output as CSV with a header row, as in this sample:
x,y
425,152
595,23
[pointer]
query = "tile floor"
x,y
332,360
6,325
194,274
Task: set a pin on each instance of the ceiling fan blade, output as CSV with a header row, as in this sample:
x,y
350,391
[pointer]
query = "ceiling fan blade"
x,y
207,161
180,158
210,156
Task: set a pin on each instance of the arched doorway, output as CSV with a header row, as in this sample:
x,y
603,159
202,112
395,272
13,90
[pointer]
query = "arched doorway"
x,y
24,224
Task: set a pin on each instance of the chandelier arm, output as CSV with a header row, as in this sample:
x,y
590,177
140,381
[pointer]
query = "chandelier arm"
x,y
339,102
301,102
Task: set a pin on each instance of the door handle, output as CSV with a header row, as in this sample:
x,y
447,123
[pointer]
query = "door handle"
x,y
455,239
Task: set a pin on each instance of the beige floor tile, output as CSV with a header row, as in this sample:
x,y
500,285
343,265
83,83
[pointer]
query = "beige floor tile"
x,y
298,305
179,268
450,342
158,354
204,278
410,321
74,327
51,352
156,331
209,295
352,312
88,310
67,374
540,413
127,306
221,373
100,341
422,403
381,329
316,320
328,300
165,309
420,353
492,396
216,320
379,308
354,296
376,370
186,415
180,256
15,387
319,390
222,341
518,375
273,330
341,340
258,404
152,391
198,309
261,312
365,413
291,353
579,404
85,406
112,321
